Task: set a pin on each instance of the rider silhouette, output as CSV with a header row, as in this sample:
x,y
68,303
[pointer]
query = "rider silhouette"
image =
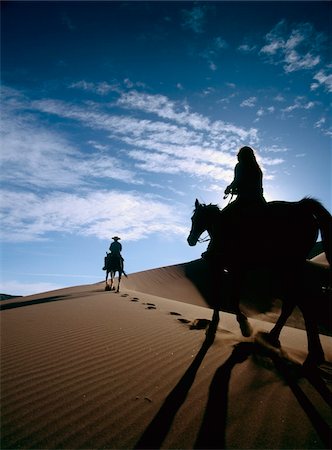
x,y
248,187
248,179
115,252
116,247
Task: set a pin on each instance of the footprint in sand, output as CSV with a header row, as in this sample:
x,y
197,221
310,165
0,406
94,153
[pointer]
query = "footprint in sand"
x,y
197,324
184,321
200,324
172,313
150,305
124,295
134,299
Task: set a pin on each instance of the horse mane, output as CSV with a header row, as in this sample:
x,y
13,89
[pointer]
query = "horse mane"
x,y
210,206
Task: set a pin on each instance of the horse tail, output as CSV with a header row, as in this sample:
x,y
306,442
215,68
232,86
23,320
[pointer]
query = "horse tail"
x,y
324,220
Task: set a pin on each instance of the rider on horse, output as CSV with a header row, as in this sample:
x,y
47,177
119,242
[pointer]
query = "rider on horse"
x,y
115,252
115,249
248,179
247,186
115,246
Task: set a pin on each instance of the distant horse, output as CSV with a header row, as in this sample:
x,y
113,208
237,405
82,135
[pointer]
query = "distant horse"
x,y
277,236
113,264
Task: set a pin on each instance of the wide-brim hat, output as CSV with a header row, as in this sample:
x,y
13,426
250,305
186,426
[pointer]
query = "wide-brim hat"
x,y
116,238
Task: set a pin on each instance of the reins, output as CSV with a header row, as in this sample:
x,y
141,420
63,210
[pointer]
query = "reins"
x,y
207,238
225,196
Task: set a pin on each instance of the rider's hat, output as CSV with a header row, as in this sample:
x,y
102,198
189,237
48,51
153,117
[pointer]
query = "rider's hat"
x,y
116,238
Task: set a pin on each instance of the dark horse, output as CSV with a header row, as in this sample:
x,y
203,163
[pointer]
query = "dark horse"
x,y
113,264
277,236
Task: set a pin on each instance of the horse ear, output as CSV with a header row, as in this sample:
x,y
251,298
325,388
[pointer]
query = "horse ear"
x,y
196,203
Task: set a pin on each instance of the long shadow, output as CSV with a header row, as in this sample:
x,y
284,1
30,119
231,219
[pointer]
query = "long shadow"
x,y
322,428
158,428
37,301
213,430
212,434
52,298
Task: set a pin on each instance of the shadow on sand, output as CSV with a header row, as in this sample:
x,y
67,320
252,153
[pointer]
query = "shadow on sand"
x,y
36,301
157,430
212,433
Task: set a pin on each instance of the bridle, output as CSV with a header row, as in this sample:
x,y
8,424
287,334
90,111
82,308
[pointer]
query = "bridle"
x,y
203,239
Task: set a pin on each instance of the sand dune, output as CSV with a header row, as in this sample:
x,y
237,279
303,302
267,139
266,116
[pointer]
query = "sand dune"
x,y
85,368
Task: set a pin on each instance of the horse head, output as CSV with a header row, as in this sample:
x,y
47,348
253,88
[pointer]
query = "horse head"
x,y
201,221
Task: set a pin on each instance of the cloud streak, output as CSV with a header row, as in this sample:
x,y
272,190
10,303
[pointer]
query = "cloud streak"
x,y
137,215
296,49
67,188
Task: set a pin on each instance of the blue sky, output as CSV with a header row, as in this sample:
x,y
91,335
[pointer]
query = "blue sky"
x,y
117,115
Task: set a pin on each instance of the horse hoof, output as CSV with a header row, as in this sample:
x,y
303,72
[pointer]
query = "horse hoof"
x,y
267,340
245,326
107,288
270,339
313,361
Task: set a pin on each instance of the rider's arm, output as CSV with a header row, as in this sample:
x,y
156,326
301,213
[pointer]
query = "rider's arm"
x,y
234,184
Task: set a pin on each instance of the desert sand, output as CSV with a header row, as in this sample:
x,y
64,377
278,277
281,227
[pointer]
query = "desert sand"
x,y
84,368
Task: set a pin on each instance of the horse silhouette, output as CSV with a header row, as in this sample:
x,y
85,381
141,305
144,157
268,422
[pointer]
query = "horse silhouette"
x,y
276,237
113,264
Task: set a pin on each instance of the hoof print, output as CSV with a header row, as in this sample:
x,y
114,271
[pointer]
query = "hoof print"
x,y
200,324
184,321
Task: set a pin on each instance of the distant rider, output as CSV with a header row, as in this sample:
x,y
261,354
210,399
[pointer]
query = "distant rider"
x,y
116,247
115,251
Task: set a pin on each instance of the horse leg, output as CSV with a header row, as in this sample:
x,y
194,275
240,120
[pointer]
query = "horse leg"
x,y
212,328
106,284
119,279
286,311
244,323
112,277
315,349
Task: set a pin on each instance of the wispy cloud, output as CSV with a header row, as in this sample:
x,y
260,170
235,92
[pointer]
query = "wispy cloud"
x,y
166,127
299,103
180,113
194,19
211,53
101,88
246,48
296,48
92,214
324,126
67,185
36,156
274,149
249,102
323,78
